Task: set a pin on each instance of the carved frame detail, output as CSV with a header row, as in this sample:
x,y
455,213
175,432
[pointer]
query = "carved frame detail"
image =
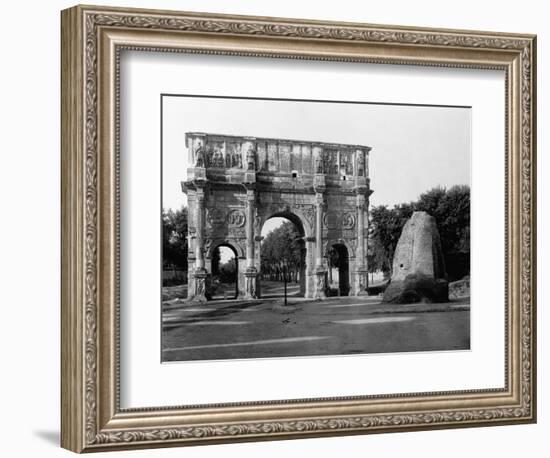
x,y
91,418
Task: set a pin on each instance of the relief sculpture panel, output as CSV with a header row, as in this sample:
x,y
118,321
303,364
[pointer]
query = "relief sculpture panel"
x,y
233,157
284,157
236,218
272,157
214,216
346,163
348,220
306,159
261,151
296,158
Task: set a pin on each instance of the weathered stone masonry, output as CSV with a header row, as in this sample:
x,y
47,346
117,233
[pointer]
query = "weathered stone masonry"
x,y
236,183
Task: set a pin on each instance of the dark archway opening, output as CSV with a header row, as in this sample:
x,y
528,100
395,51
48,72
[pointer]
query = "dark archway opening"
x,y
339,270
283,256
225,272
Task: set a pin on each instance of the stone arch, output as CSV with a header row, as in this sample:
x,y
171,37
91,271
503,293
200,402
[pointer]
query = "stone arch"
x,y
214,269
212,244
306,214
292,217
347,243
305,260
293,213
342,284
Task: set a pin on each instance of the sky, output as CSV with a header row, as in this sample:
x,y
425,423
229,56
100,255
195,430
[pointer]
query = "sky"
x,y
414,148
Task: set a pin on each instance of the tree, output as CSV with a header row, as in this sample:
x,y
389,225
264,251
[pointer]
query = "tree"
x,y
451,210
377,259
228,271
385,229
174,238
282,247
216,257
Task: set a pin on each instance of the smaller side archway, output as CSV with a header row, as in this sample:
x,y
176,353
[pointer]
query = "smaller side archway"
x,y
339,269
224,268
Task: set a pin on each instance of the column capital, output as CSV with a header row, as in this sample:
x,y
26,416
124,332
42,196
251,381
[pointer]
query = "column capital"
x,y
200,187
362,191
360,201
200,199
319,198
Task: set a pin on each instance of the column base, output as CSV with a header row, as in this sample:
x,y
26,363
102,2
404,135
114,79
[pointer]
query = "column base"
x,y
320,291
361,282
251,283
199,286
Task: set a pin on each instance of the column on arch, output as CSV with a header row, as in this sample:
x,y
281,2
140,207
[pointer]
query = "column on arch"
x,y
199,275
319,187
251,272
361,267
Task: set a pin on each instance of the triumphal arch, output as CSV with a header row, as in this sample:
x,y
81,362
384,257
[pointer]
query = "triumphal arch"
x,y
234,184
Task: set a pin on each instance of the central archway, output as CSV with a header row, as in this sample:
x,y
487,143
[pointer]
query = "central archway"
x,y
283,255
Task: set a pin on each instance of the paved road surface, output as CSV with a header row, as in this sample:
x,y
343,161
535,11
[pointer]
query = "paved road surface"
x,y
346,325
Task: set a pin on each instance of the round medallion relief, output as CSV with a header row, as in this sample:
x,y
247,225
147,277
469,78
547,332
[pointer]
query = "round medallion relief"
x,y
236,218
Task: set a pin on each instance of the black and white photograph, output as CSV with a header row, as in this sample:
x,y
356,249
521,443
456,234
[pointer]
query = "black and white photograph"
x,y
313,228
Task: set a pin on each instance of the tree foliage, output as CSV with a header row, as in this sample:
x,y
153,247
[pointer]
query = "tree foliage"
x,y
216,258
451,210
174,238
225,272
282,247
385,229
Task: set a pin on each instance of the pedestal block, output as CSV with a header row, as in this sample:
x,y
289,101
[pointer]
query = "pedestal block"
x,y
251,283
200,285
320,283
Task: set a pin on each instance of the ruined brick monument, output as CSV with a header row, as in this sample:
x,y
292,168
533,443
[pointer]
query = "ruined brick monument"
x,y
235,184
418,267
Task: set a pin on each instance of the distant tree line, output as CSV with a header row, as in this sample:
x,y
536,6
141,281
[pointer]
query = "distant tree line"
x,y
174,239
280,251
451,210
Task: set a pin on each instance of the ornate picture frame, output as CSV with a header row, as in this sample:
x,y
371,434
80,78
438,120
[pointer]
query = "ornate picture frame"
x,y
92,39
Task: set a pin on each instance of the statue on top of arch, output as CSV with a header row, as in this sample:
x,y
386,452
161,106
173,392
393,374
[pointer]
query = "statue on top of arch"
x,y
250,159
